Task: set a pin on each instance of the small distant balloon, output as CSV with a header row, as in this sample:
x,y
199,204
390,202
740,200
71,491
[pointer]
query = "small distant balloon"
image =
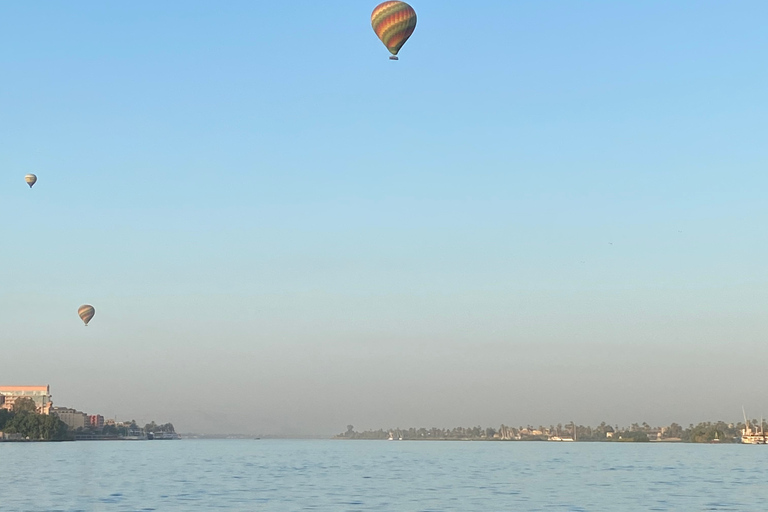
x,y
86,312
31,179
393,22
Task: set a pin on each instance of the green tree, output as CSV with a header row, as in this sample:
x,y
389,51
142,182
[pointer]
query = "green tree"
x,y
38,426
634,436
53,428
24,404
674,430
5,417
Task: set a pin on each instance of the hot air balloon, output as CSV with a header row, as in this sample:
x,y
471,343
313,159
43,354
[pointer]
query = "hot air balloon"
x,y
86,312
31,179
394,23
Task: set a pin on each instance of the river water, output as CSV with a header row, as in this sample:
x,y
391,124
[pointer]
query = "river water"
x,y
283,475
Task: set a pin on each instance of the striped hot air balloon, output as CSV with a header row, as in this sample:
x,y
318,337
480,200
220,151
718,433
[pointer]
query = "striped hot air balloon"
x,y
31,179
86,312
393,22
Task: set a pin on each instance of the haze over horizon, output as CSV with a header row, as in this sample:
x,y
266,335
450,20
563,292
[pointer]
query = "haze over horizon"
x,y
544,212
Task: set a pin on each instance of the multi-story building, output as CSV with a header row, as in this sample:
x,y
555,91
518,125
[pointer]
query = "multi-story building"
x,y
41,395
74,419
96,420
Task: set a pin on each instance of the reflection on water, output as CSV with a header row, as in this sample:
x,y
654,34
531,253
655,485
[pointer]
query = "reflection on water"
x,y
380,475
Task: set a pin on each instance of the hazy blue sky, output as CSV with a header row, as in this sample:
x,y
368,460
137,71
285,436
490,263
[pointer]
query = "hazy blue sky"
x,y
545,211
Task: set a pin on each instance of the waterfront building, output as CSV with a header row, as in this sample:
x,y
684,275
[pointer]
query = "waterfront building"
x,y
655,434
41,395
74,419
96,420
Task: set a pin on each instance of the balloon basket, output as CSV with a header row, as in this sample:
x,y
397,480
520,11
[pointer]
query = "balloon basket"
x,y
393,57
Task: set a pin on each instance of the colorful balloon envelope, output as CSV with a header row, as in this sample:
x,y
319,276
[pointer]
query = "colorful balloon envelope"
x,y
31,179
393,22
86,312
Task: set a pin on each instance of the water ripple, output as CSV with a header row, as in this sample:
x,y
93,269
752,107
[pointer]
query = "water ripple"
x,y
379,476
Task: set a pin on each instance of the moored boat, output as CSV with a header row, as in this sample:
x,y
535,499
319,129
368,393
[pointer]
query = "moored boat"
x,y
163,436
750,435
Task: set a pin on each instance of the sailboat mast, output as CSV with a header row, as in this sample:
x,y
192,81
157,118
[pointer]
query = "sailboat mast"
x,y
747,429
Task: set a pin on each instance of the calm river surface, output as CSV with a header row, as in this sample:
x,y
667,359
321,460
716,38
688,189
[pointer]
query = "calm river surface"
x,y
283,475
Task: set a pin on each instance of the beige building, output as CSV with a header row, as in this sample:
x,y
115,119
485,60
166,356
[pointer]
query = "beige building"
x,y
74,419
41,395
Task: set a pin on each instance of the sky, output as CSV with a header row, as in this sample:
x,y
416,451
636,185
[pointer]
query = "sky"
x,y
543,212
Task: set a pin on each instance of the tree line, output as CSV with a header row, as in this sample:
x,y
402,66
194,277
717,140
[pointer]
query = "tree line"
x,y
705,432
126,429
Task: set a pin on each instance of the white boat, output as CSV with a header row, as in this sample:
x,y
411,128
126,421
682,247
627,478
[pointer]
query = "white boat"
x,y
750,435
159,436
564,438
134,437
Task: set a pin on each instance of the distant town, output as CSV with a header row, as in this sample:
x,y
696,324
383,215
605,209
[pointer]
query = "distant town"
x,y
747,432
27,413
